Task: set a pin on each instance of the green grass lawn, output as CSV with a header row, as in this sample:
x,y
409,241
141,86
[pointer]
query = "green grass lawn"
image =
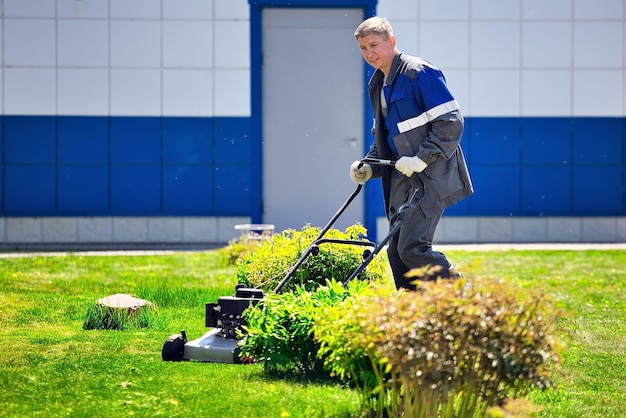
x,y
50,367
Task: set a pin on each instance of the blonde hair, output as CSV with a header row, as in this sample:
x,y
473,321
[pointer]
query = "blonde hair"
x,y
374,25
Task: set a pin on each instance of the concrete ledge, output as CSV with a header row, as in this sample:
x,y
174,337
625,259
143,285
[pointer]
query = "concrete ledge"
x,y
117,231
186,233
467,230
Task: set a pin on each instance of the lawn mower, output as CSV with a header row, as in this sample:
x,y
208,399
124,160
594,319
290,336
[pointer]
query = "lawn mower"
x,y
225,317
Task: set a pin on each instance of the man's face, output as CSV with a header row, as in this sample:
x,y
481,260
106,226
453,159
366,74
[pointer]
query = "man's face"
x,y
378,51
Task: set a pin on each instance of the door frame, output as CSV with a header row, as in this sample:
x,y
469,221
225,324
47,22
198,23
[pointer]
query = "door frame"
x,y
256,98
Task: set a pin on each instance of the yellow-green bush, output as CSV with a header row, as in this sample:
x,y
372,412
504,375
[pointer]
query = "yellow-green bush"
x,y
267,265
450,349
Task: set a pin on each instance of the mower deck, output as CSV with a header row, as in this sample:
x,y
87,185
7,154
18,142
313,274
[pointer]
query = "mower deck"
x,y
212,347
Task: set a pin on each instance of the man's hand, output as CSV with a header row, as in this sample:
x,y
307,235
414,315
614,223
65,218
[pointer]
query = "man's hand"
x,y
410,165
360,173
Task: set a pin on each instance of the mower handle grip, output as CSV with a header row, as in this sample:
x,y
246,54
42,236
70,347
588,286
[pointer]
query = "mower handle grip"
x,y
377,161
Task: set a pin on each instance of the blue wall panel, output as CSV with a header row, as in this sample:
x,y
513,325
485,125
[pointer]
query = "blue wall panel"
x,y
205,167
233,191
492,140
136,189
188,189
29,189
598,141
496,191
135,140
30,140
83,189
598,191
83,140
546,191
188,140
233,141
546,141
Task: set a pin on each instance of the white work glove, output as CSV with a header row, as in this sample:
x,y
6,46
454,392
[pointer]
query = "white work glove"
x,y
410,165
360,174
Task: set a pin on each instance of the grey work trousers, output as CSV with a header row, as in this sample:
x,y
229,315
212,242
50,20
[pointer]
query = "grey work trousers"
x,y
411,246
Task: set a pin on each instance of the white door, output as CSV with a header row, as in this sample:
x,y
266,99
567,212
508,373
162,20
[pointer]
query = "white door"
x,y
312,116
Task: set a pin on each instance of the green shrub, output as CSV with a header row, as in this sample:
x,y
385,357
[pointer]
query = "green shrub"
x,y
278,330
450,349
269,263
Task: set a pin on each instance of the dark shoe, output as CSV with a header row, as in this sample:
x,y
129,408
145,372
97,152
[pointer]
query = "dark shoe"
x,y
454,274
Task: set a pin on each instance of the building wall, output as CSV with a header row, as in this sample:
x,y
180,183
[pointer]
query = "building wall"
x,y
542,86
130,122
124,121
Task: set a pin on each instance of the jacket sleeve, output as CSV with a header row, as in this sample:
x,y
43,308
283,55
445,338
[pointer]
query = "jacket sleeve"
x,y
443,138
373,153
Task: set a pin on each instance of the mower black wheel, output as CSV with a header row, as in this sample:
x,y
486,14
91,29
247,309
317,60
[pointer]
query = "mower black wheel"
x,y
173,348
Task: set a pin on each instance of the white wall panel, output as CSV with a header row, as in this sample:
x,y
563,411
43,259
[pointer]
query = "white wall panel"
x,y
29,42
232,9
232,93
399,10
189,9
135,9
545,48
82,9
407,37
135,43
30,91
598,44
547,44
598,9
459,84
495,9
135,92
541,46
495,44
1,91
445,43
599,93
231,33
29,8
546,92
495,92
187,44
83,43
547,10
188,92
83,91
442,9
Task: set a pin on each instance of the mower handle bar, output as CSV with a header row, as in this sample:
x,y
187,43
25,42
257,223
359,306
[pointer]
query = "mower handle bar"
x,y
330,223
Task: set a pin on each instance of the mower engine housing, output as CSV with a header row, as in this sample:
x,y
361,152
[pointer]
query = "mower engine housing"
x,y
227,313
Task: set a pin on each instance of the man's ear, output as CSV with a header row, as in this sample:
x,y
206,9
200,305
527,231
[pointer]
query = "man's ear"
x,y
392,41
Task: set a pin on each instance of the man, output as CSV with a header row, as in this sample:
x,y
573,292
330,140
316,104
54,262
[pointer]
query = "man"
x,y
417,122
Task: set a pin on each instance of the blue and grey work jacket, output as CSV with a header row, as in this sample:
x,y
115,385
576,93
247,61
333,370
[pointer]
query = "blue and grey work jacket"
x,y
423,119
